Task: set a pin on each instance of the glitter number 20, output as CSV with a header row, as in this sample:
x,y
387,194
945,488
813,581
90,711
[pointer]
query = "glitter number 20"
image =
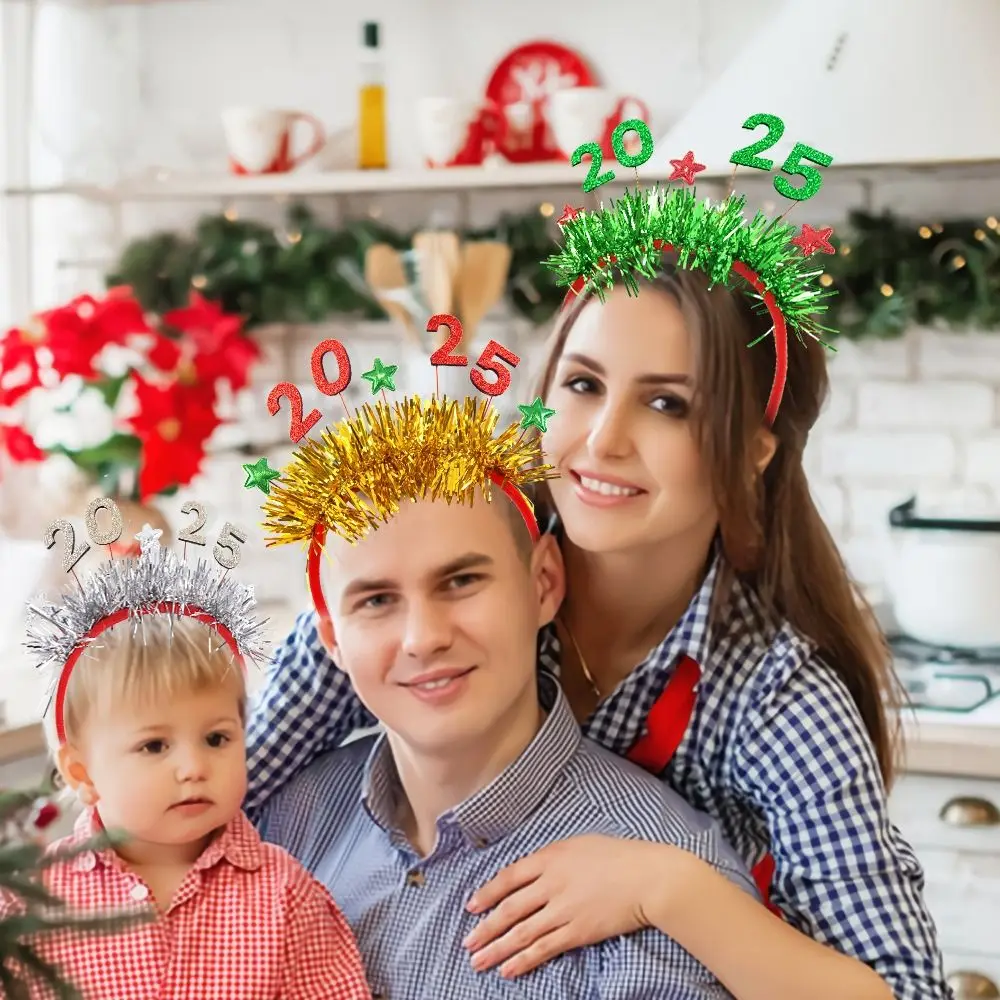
x,y
595,178
73,553
793,165
300,427
489,360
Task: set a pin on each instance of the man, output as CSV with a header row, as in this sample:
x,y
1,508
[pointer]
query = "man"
x,y
434,618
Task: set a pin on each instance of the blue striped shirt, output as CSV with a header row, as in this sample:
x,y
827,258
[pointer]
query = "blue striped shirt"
x,y
408,912
776,751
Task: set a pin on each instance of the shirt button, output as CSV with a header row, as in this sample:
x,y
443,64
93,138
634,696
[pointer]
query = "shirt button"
x,y
139,892
415,878
88,861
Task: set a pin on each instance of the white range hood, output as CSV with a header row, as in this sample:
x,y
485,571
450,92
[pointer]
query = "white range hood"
x,y
871,82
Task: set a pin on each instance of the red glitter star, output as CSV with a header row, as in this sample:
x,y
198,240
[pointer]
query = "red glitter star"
x,y
685,168
810,240
569,214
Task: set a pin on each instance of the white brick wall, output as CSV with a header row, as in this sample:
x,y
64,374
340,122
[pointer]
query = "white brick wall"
x,y
918,415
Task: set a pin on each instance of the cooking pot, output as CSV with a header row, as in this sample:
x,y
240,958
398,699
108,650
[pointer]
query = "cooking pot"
x,y
944,578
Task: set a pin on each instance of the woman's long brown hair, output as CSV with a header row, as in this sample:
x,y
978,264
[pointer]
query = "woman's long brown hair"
x,y
772,534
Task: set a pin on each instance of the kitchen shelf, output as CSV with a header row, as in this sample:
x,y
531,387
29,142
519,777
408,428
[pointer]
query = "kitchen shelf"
x,y
190,187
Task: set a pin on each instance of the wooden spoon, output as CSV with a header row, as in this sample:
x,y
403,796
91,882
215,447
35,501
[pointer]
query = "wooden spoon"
x,y
438,254
385,273
482,280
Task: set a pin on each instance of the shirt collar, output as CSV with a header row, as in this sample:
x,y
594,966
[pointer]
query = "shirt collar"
x,y
507,801
238,843
691,636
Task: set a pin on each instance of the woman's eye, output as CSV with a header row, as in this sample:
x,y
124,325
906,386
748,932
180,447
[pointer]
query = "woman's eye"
x,y
673,405
581,384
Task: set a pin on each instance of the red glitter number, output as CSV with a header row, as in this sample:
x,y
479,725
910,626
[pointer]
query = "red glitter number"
x,y
443,355
299,427
489,361
325,386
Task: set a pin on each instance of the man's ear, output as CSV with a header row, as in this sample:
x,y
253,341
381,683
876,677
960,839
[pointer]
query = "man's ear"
x,y
74,772
325,629
548,573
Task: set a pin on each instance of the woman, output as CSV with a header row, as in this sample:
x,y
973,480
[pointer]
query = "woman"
x,y
710,633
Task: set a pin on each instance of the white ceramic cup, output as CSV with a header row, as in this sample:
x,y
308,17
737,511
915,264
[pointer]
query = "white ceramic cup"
x,y
260,139
443,126
586,114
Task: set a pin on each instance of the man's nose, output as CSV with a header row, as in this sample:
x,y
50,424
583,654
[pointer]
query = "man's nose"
x,y
428,629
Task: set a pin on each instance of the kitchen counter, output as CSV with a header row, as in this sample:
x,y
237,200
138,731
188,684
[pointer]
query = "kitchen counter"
x,y
934,743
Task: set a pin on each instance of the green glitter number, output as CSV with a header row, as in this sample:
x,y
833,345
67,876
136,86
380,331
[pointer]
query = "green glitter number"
x,y
747,156
641,129
793,167
591,181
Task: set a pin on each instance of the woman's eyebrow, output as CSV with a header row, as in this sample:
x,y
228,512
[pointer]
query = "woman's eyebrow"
x,y
653,378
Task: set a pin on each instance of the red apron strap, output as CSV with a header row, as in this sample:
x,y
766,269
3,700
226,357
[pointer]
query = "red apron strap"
x,y
763,875
668,719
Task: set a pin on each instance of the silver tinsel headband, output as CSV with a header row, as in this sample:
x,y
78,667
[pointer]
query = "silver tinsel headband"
x,y
135,586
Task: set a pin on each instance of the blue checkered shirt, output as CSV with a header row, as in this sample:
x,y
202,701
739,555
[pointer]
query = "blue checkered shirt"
x,y
408,912
775,750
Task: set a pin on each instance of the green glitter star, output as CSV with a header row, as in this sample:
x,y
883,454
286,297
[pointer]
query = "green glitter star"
x,y
536,415
381,376
259,475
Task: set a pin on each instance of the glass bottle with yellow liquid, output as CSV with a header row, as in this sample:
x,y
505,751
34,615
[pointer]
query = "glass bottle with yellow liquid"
x,y
371,102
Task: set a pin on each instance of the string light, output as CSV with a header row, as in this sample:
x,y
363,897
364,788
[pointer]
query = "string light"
x,y
938,228
546,209
845,249
231,214
886,289
980,235
199,281
925,232
992,222
958,262
825,280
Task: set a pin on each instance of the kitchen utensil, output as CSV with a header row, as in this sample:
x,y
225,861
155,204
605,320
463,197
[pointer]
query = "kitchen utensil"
x,y
438,255
944,578
482,279
260,139
386,276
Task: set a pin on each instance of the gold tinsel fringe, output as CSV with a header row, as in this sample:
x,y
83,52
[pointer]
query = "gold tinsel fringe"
x,y
359,470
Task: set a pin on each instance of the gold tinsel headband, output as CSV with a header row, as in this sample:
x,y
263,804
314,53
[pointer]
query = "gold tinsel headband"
x,y
356,474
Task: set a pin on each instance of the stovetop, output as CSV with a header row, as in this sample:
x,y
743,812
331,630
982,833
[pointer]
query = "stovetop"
x,y
941,679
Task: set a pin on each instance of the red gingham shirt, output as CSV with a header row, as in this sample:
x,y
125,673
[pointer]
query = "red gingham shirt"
x,y
247,923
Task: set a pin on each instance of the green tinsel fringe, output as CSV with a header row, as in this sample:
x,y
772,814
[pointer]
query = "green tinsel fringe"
x,y
705,235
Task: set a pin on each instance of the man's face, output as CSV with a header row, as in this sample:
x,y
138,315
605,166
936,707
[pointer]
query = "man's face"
x,y
435,617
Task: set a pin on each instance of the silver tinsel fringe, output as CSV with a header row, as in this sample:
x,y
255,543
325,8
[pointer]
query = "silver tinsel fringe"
x,y
55,629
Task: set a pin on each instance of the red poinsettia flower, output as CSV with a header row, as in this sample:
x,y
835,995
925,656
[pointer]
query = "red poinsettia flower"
x,y
19,444
221,349
76,333
173,423
18,366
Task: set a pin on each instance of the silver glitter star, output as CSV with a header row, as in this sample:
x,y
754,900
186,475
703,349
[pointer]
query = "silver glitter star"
x,y
149,539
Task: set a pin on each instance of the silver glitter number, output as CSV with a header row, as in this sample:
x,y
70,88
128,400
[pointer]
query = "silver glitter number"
x,y
113,532
71,555
193,534
227,548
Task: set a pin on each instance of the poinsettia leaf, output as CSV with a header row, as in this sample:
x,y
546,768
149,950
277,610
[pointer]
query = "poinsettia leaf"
x,y
117,450
110,389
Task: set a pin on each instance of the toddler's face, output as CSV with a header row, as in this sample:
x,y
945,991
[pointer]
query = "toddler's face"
x,y
168,774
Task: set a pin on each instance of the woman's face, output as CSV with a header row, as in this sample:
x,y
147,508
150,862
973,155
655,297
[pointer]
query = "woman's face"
x,y
631,473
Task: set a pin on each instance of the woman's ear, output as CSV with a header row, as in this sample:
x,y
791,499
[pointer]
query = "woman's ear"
x,y
74,773
764,446
548,574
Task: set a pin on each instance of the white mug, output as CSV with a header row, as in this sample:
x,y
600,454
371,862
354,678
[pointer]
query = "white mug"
x,y
589,114
260,139
452,130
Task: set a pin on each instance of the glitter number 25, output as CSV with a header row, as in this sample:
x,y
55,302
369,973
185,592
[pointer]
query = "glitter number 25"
x,y
793,165
489,361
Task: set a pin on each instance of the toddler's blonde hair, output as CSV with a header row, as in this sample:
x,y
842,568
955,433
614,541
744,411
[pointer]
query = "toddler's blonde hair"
x,y
150,661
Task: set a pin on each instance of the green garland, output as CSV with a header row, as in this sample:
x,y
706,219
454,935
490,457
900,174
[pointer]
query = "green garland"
x,y
269,278
897,273
706,235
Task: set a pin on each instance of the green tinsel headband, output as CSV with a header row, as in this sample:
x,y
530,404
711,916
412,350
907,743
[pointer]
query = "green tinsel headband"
x,y
627,239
